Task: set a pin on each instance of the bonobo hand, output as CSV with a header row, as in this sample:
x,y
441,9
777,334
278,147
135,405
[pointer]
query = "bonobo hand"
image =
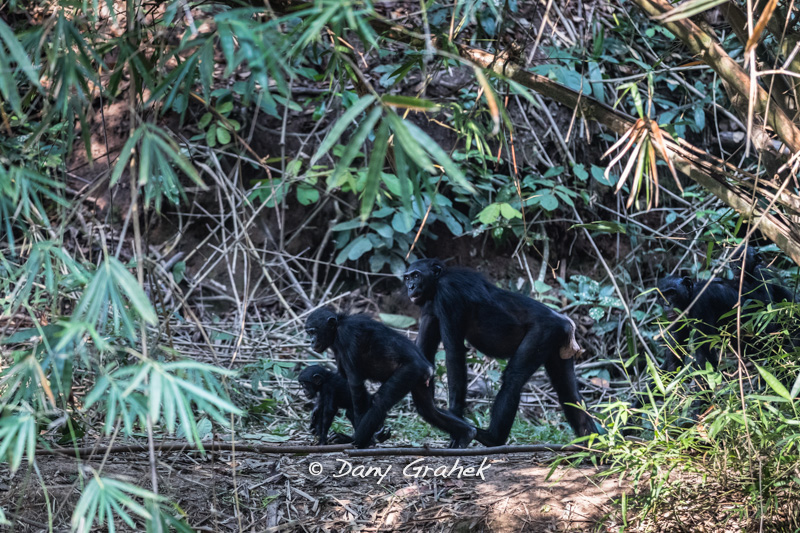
x,y
340,438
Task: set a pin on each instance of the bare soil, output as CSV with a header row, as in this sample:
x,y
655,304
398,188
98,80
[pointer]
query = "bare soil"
x,y
334,492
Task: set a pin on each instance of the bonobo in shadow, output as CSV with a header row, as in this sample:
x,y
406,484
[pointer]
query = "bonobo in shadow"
x,y
715,298
368,350
459,304
759,282
331,393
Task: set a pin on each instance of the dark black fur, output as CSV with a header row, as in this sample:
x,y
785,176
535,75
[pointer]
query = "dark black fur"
x,y
368,350
704,319
460,304
760,283
331,393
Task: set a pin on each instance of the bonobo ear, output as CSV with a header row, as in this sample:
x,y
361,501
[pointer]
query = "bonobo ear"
x,y
317,378
437,270
687,282
332,322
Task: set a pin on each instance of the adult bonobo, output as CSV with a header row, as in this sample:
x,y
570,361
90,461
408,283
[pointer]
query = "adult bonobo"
x,y
711,305
368,350
460,304
331,393
759,282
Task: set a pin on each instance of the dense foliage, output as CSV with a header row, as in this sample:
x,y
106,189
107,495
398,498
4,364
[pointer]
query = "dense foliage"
x,y
169,171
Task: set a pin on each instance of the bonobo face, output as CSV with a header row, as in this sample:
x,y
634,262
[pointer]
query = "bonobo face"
x,y
676,293
309,390
421,278
321,328
311,379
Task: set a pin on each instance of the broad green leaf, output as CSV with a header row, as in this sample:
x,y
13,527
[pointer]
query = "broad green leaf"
x,y
489,214
549,202
509,212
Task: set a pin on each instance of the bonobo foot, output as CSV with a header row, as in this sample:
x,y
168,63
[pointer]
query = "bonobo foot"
x,y
463,442
383,434
485,438
340,438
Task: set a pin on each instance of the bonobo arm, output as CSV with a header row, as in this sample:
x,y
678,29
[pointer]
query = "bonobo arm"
x,y
456,362
328,413
361,400
429,334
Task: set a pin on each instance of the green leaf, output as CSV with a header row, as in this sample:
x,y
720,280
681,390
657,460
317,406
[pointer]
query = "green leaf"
x,y
509,212
225,107
356,141
408,143
597,313
549,202
204,121
179,271
489,214
580,172
403,221
452,170
598,173
338,129
374,171
354,249
350,224
656,376
796,387
603,226
774,383
397,321
307,195
408,102
223,135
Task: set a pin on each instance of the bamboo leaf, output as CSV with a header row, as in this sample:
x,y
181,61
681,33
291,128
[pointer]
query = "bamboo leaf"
x,y
342,124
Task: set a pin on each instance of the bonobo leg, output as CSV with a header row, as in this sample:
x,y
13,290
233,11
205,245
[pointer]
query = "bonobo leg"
x,y
456,363
461,432
531,353
390,393
562,376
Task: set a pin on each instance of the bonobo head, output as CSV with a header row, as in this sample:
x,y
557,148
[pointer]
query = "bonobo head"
x,y
311,379
752,259
421,278
677,293
321,327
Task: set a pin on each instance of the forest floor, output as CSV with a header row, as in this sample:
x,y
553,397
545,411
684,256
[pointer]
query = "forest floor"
x,y
267,493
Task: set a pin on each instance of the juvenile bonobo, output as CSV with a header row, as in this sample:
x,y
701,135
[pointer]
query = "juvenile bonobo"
x,y
331,393
368,350
718,297
459,304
